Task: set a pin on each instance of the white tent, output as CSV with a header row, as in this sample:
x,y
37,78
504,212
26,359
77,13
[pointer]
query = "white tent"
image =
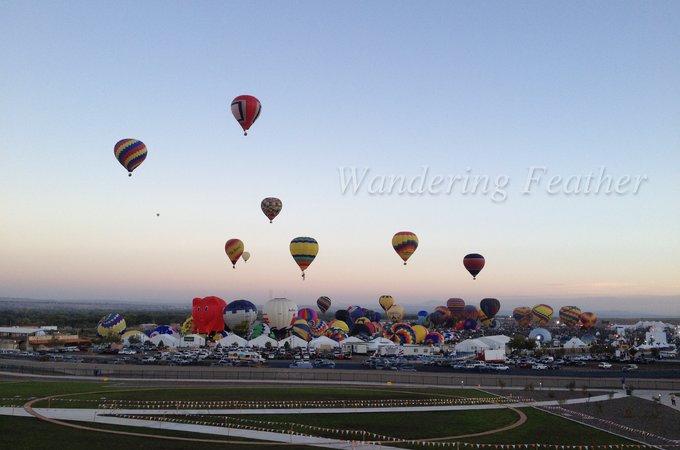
x,y
293,342
261,341
351,340
167,340
575,343
323,342
192,340
497,342
375,344
232,339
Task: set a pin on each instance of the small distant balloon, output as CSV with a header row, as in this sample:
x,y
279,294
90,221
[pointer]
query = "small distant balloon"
x,y
130,153
405,243
246,109
271,207
474,263
245,256
234,250
323,303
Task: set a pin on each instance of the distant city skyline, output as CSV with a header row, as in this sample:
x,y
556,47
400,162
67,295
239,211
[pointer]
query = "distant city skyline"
x,y
543,136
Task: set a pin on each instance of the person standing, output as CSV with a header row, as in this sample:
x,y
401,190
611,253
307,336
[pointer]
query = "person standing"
x,y
672,399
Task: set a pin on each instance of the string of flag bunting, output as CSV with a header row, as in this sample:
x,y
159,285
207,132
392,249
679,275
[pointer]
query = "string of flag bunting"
x,y
371,438
241,404
563,411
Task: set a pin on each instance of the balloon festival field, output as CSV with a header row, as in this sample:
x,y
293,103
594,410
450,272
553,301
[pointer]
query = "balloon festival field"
x,y
394,425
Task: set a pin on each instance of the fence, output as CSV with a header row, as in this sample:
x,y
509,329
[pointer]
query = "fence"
x,y
463,380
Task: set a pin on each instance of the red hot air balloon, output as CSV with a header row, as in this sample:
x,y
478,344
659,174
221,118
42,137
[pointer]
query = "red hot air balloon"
x,y
474,263
246,109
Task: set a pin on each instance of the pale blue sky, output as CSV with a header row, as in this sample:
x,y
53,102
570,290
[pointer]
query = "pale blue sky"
x,y
496,87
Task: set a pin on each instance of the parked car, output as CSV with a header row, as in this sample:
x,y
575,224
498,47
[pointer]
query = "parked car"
x,y
604,365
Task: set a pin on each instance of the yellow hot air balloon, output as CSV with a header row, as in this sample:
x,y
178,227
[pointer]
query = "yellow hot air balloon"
x,y
405,243
304,250
420,332
395,313
386,301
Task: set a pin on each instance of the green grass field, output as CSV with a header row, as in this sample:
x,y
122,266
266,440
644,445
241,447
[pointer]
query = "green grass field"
x,y
541,427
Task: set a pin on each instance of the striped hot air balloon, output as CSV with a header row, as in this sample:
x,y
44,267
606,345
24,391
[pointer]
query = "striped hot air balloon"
x,y
323,303
130,153
405,243
304,250
474,263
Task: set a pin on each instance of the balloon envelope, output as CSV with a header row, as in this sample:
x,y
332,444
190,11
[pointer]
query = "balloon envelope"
x,y
240,315
208,314
279,313
111,325
234,250
588,320
323,303
405,243
542,314
474,263
304,250
522,315
245,256
570,315
246,110
490,306
386,302
395,313
456,306
130,153
271,207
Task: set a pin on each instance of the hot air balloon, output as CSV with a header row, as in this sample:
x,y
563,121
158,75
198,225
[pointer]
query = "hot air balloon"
x,y
474,263
540,335
246,109
386,301
456,306
308,314
271,207
111,325
420,332
588,320
421,317
395,313
301,329
470,312
245,256
522,316
470,324
343,315
542,314
323,303
434,338
234,250
490,306
402,333
339,324
239,316
319,329
207,314
130,153
405,243
304,250
570,315
279,313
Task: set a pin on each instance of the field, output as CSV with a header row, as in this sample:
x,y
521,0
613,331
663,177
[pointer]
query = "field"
x,y
444,427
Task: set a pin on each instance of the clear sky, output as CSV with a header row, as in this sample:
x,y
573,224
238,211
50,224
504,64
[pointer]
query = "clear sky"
x,y
400,89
